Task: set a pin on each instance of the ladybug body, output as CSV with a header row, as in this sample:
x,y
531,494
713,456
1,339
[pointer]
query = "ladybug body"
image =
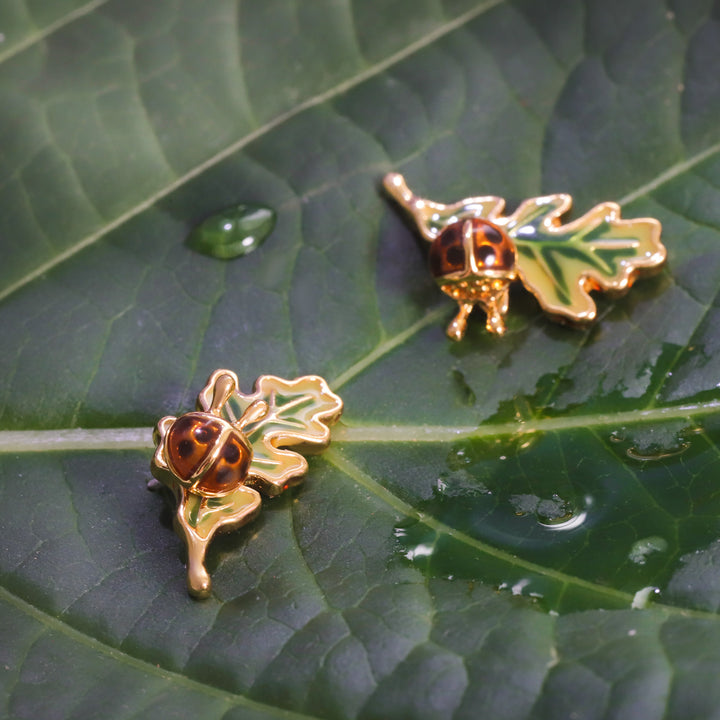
x,y
207,454
473,261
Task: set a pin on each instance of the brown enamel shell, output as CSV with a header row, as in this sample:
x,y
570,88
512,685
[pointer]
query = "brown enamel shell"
x,y
195,436
491,247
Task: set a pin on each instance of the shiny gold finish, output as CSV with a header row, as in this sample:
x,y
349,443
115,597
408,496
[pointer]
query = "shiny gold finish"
x,y
215,460
559,264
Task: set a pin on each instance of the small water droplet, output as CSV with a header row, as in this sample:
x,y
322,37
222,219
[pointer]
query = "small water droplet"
x,y
459,483
233,232
422,550
519,586
642,597
553,513
656,442
642,548
634,453
416,542
458,458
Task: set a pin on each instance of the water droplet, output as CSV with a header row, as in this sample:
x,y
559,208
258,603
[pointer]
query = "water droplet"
x,y
570,521
519,586
553,513
642,597
460,483
656,442
458,457
642,548
416,542
635,454
422,550
233,232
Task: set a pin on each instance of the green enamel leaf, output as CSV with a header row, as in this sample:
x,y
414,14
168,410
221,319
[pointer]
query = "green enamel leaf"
x,y
560,264
522,527
207,515
300,412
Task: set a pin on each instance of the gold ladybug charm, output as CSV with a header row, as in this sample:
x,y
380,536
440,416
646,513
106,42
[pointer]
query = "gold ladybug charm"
x,y
476,252
219,460
205,453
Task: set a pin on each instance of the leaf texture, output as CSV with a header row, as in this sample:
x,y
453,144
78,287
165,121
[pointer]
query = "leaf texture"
x,y
525,527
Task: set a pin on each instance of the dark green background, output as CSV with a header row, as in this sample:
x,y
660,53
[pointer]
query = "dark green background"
x,y
430,566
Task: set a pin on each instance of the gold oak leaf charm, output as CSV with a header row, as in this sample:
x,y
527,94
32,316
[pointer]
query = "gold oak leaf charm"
x,y
215,460
476,252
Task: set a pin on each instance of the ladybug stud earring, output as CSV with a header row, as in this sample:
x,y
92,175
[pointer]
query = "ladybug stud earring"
x,y
219,460
476,252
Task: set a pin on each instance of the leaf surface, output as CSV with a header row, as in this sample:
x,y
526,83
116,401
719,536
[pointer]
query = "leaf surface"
x,y
527,525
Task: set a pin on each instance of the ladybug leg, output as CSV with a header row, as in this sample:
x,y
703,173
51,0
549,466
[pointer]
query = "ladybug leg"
x,y
456,329
496,306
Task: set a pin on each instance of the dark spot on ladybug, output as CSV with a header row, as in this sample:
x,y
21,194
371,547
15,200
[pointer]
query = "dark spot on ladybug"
x,y
455,256
185,448
231,454
493,234
203,435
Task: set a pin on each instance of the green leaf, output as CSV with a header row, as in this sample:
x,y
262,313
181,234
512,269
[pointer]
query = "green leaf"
x,y
515,527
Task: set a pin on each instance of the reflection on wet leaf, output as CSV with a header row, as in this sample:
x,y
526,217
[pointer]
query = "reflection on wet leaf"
x,y
697,581
460,483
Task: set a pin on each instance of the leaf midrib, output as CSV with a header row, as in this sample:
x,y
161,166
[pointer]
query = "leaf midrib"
x,y
140,438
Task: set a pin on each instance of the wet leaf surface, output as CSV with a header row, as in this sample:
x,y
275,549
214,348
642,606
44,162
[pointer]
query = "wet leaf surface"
x,y
527,525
